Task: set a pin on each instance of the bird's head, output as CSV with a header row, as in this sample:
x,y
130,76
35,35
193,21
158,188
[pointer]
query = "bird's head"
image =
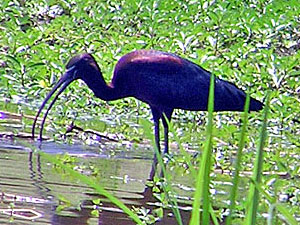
x,y
78,67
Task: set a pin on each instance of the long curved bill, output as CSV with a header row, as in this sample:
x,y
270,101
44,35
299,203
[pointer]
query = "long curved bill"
x,y
64,81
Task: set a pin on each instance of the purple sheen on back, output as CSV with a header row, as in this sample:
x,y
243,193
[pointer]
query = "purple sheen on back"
x,y
146,57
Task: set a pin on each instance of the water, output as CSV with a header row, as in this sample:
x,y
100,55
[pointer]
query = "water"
x,y
31,185
31,190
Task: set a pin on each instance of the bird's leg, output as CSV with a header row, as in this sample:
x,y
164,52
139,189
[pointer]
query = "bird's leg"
x,y
166,138
166,119
156,116
156,134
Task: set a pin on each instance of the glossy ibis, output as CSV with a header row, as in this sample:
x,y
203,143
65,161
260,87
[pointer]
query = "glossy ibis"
x,y
162,80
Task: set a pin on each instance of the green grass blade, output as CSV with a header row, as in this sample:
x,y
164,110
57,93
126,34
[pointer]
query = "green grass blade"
x,y
191,167
203,179
280,207
213,216
233,192
287,215
253,196
182,151
166,185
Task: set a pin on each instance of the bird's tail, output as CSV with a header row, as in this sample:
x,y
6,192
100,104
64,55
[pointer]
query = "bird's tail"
x,y
255,105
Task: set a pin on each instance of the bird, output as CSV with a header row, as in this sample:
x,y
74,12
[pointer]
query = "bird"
x,y
163,80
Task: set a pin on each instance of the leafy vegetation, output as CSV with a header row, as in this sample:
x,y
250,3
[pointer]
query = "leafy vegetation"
x,y
254,44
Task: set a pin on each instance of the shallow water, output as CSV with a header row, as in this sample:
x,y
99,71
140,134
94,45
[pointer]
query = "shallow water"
x,y
31,185
32,190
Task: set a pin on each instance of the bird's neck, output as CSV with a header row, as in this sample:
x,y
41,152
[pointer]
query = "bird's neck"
x,y
97,84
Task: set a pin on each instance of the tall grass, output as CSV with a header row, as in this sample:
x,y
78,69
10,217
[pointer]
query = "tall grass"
x,y
203,178
256,188
166,184
253,197
235,181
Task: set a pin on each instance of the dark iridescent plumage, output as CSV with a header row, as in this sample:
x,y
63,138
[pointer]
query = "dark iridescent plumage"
x,y
163,80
